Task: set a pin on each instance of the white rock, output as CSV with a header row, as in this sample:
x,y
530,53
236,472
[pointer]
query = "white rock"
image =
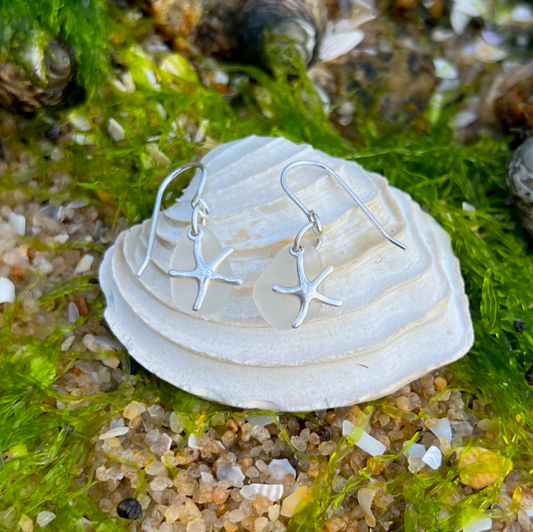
x,y
522,13
412,303
464,118
274,492
232,473
85,264
115,130
45,517
73,314
459,21
487,53
433,457
80,122
444,69
193,442
335,45
480,525
443,429
67,343
114,433
279,469
7,290
260,421
365,442
18,222
415,450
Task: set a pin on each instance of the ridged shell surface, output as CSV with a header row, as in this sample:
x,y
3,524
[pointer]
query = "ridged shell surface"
x,y
404,313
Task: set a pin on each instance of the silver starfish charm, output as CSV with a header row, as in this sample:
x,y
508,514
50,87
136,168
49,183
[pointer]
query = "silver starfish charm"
x,y
306,291
204,273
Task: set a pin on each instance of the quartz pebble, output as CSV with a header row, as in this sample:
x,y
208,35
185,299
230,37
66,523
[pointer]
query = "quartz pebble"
x,y
433,457
115,130
292,501
18,222
7,290
231,473
440,427
113,433
45,517
85,264
365,442
279,469
365,496
480,525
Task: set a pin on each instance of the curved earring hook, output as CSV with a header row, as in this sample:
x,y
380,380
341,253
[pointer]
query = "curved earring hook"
x,y
312,216
196,202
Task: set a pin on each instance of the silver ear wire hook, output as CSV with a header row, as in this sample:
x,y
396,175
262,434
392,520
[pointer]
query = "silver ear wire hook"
x,y
200,208
314,220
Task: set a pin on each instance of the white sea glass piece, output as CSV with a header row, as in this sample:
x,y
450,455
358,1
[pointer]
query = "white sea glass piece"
x,y
185,290
280,310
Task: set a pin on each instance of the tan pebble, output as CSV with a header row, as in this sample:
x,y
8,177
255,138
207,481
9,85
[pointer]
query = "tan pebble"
x,y
292,501
313,468
133,410
403,403
406,390
111,362
335,524
396,435
219,496
440,383
229,526
26,523
260,524
383,419
231,424
481,468
331,417
353,414
81,303
261,504
273,512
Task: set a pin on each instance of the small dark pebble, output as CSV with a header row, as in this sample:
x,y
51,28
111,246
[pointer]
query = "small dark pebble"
x,y
54,132
529,376
325,434
135,367
519,326
130,508
420,433
94,280
451,459
495,507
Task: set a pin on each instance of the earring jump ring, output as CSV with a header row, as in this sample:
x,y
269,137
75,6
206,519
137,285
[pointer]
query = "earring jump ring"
x,y
310,214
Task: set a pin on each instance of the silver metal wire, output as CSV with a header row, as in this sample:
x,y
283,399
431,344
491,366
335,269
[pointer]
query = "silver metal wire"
x,y
200,208
313,217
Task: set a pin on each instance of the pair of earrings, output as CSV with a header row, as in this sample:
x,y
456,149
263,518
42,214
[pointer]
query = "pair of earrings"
x,y
203,278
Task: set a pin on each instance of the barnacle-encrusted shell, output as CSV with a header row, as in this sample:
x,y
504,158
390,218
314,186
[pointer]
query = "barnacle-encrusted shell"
x,y
404,314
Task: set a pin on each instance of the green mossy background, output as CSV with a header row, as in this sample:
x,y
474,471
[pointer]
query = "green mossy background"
x,y
47,446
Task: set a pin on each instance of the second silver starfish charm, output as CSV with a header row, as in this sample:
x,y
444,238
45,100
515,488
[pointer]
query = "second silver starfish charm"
x,y
306,291
204,273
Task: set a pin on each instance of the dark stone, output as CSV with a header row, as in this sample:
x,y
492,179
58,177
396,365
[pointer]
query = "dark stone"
x,y
93,280
519,326
451,459
325,434
130,508
135,367
54,132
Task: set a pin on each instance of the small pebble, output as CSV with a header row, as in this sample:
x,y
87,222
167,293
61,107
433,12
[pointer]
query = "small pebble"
x,y
18,222
53,132
7,290
113,433
45,517
85,264
130,508
115,130
519,326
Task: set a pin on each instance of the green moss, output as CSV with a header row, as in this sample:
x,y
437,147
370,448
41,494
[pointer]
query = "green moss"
x,y
84,25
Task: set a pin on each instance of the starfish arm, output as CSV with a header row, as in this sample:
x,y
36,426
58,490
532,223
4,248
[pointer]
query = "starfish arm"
x,y
179,273
304,307
226,279
330,300
202,292
221,258
323,275
284,289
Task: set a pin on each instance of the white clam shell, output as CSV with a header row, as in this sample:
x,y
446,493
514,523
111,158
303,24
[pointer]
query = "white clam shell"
x,y
404,313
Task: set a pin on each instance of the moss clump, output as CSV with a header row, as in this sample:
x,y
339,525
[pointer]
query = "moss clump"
x,y
84,25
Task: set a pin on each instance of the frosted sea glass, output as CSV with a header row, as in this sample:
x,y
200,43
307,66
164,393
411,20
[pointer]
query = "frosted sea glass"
x,y
184,290
280,310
